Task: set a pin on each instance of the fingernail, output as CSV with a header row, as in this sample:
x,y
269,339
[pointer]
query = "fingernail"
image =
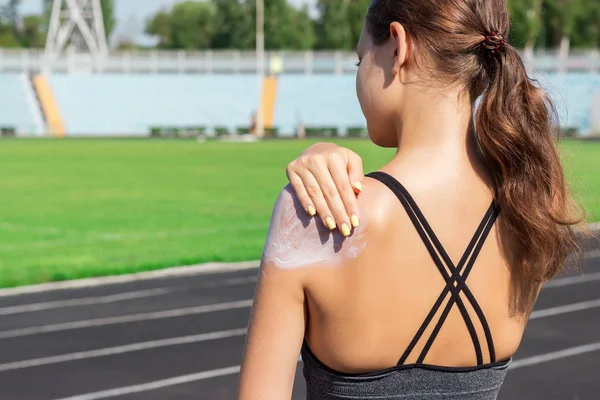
x,y
358,186
354,220
330,223
345,229
311,211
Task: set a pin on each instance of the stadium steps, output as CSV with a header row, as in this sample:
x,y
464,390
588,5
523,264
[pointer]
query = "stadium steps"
x,y
269,99
54,121
34,104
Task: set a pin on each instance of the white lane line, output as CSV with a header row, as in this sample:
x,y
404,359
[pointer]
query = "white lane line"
x,y
125,319
555,355
223,307
153,344
572,280
178,380
185,339
569,308
87,301
229,282
592,253
201,269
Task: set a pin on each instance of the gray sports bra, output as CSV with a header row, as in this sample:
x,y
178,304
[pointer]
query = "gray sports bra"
x,y
421,381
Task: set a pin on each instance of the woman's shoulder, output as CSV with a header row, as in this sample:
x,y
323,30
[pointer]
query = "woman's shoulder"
x,y
296,240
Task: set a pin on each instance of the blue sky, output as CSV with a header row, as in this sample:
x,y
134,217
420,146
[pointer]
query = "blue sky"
x,y
130,14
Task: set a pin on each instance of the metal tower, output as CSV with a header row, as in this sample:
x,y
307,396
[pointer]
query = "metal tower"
x,y
78,22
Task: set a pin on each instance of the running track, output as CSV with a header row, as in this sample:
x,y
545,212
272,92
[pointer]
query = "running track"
x,y
182,338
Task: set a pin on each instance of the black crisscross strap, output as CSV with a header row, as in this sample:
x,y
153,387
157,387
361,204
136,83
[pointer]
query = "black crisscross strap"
x,y
455,280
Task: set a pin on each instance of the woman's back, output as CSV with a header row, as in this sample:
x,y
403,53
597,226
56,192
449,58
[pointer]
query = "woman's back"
x,y
490,186
362,317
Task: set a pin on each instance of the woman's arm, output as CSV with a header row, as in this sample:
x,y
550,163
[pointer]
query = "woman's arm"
x,y
277,323
326,179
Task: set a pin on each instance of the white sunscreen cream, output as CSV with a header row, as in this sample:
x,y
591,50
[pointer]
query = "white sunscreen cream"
x,y
296,240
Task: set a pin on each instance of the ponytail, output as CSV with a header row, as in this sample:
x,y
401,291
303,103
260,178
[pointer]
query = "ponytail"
x,y
517,130
515,123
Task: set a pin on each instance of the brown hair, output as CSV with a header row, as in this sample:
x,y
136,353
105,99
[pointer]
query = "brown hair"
x,y
515,124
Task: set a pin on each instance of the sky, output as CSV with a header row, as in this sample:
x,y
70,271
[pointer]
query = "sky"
x,y
130,14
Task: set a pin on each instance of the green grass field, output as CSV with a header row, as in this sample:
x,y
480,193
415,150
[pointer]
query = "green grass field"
x,y
81,208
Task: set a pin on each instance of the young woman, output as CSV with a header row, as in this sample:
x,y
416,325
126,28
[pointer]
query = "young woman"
x,y
427,297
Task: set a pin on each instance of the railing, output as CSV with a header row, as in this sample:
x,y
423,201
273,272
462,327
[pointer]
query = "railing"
x,y
241,62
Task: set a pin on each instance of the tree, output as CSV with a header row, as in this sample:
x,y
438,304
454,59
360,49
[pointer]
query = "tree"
x,y
230,24
526,23
17,31
305,37
31,33
189,25
108,15
7,37
233,26
279,25
286,28
192,25
126,45
595,25
357,10
333,26
11,12
160,26
580,20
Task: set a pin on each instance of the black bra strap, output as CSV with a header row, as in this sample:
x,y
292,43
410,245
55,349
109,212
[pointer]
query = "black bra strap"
x,y
461,284
393,186
455,283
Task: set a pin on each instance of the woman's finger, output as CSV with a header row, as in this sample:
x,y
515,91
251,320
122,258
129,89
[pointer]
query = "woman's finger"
x,y
356,172
316,196
320,171
339,173
301,193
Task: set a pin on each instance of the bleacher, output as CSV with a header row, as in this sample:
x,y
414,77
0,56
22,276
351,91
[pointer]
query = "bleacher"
x,y
134,104
18,106
327,100
572,94
317,101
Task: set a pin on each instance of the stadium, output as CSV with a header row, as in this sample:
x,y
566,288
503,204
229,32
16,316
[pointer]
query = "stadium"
x,y
138,183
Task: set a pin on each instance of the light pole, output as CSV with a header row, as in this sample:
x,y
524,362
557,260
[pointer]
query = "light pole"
x,y
260,64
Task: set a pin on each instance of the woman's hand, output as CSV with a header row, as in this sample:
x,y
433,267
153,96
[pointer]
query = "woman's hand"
x,y
326,179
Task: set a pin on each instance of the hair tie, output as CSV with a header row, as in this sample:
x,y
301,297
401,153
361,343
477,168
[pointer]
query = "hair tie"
x,y
493,43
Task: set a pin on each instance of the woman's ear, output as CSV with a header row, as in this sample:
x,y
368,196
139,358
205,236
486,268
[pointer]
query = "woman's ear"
x,y
400,46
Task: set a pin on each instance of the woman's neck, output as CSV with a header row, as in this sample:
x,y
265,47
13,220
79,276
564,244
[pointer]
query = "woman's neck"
x,y
436,129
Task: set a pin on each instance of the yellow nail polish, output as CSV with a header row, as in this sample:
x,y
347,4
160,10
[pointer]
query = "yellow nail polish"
x,y
330,223
358,185
345,230
311,211
354,220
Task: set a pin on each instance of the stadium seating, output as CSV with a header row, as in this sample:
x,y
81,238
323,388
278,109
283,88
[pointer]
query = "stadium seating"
x,y
133,104
96,104
317,100
18,108
330,100
572,94
595,119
